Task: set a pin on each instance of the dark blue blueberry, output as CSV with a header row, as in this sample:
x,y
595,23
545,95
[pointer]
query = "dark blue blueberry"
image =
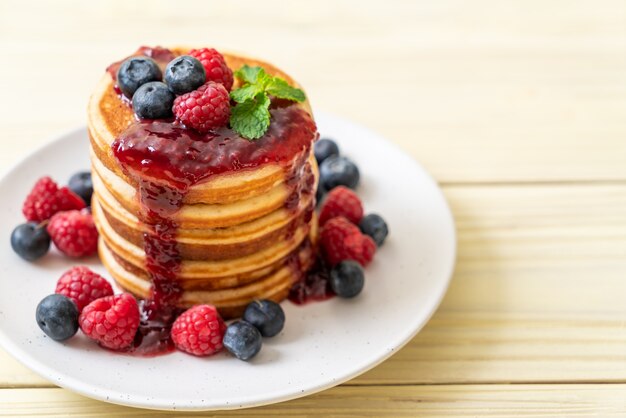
x,y
136,71
324,148
339,171
266,315
376,227
184,74
243,340
57,316
347,279
80,183
153,101
30,241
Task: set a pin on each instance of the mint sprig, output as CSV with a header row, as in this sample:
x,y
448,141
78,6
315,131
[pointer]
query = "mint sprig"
x,y
251,116
279,88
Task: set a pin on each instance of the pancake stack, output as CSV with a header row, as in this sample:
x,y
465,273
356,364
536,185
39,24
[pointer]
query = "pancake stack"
x,y
244,234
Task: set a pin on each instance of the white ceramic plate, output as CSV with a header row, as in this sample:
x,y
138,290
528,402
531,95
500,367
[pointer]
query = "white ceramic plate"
x,y
323,344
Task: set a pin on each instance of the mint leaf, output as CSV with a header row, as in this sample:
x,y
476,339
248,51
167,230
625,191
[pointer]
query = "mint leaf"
x,y
245,93
253,75
248,74
251,119
278,87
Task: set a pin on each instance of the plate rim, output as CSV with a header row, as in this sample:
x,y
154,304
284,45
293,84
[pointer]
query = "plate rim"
x,y
77,386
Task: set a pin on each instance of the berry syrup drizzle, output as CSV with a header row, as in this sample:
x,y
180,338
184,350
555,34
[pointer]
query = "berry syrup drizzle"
x,y
313,286
166,160
153,336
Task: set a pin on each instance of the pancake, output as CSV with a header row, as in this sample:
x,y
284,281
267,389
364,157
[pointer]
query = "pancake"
x,y
205,270
108,117
211,243
230,302
226,220
203,215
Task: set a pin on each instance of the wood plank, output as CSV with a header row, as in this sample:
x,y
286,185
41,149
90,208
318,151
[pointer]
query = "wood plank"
x,y
14,375
377,401
537,295
525,92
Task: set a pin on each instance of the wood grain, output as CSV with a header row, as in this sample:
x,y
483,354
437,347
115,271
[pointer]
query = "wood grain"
x,y
376,401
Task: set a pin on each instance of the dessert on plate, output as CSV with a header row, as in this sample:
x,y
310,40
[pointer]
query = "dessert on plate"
x,y
201,203
188,217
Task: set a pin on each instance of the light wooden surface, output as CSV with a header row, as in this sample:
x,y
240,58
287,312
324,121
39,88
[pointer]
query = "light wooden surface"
x,y
376,401
516,107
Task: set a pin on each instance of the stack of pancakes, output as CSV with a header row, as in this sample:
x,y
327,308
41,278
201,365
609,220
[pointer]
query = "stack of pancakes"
x,y
239,236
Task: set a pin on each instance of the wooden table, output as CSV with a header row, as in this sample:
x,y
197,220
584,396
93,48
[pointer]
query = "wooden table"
x,y
516,107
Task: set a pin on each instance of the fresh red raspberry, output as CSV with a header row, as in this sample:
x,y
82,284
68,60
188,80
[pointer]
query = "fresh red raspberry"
x,y
360,248
68,200
112,321
83,286
341,201
204,109
74,233
41,203
215,66
46,199
342,240
199,331
338,229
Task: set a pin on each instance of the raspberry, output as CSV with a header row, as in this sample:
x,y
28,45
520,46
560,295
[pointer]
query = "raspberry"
x,y
215,66
204,109
341,240
46,199
360,248
112,321
41,203
339,228
199,331
83,286
68,200
341,201
74,233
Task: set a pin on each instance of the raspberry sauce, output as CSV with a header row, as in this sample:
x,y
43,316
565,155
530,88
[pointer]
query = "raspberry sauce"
x,y
313,286
166,159
177,158
153,336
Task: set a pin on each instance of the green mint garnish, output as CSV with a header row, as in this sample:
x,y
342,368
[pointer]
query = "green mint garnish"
x,y
278,87
251,117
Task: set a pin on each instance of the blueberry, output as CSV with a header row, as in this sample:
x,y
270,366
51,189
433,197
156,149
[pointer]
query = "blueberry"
x,y
266,315
30,241
136,71
347,279
80,183
243,340
376,227
324,148
184,74
153,101
57,316
338,171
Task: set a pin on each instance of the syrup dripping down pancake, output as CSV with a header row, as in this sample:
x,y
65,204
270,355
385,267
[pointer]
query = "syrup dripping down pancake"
x,y
242,227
